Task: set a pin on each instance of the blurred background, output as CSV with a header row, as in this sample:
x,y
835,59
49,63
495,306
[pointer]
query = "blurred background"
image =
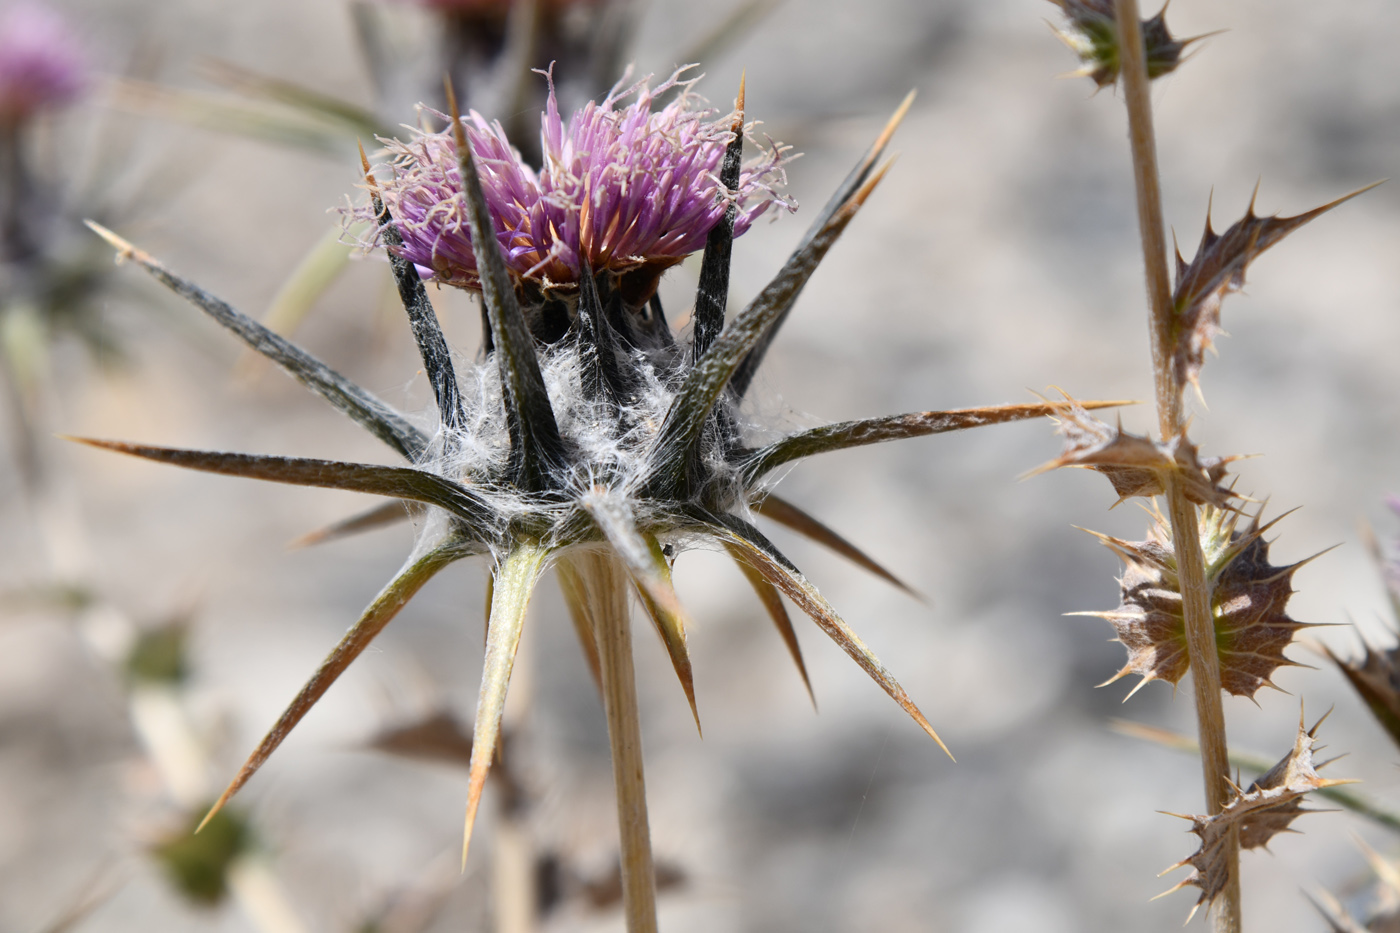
x,y
999,256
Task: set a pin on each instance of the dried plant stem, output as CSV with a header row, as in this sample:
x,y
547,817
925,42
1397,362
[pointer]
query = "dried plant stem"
x,y
513,881
604,584
1200,628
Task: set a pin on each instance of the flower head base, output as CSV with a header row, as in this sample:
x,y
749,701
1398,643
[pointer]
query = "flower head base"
x,y
41,65
623,190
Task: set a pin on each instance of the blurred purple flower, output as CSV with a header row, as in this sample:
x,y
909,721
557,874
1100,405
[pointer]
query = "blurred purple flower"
x,y
629,190
41,63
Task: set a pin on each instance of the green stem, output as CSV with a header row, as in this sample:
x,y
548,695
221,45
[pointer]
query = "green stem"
x,y
1195,596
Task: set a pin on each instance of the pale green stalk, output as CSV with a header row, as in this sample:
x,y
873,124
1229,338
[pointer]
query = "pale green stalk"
x,y
601,583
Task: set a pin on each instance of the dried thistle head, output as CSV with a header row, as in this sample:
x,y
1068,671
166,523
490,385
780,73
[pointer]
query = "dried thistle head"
x,y
1092,32
1248,598
591,429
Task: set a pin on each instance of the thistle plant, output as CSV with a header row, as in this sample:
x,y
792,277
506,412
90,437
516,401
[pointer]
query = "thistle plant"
x,y
1200,594
592,437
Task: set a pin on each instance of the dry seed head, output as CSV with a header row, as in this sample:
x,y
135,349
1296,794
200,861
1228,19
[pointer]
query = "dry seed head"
x,y
1248,596
1259,813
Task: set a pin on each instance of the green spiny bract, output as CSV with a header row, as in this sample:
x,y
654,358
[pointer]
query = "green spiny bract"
x,y
1248,597
1093,35
602,434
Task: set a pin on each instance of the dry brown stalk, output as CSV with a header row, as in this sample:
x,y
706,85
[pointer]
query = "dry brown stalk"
x,y
1200,630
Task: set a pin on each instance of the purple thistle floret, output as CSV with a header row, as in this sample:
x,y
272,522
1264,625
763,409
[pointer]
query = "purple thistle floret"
x,y
41,63
630,190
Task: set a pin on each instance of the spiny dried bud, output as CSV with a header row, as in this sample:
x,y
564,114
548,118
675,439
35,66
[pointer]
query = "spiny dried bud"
x,y
1093,35
1247,599
1376,677
1259,813
1135,465
1217,269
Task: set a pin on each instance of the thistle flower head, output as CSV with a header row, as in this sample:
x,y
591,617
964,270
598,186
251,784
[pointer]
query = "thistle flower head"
x,y
606,445
41,64
624,189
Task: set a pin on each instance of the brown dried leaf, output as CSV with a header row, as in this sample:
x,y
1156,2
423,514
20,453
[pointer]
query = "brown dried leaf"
x,y
437,737
1248,598
1136,465
1259,813
1217,269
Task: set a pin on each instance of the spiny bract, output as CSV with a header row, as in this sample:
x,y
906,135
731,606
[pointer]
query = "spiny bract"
x,y
1248,599
1258,813
1093,35
589,429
